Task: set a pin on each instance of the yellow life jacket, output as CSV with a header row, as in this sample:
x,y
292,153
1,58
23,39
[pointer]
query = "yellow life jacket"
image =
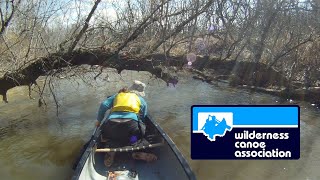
x,y
126,102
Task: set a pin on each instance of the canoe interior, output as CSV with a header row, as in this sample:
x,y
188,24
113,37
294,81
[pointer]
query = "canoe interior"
x,y
170,164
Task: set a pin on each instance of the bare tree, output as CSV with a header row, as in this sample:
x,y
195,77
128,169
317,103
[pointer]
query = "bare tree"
x,y
39,38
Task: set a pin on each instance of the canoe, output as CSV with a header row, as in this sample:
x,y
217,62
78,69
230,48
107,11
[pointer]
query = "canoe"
x,y
171,164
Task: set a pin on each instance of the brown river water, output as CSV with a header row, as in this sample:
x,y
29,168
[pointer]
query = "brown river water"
x,y
37,144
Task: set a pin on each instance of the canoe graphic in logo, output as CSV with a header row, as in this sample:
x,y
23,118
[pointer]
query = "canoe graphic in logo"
x,y
214,124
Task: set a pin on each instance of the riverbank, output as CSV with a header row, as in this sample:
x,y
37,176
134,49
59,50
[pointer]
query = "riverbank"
x,y
264,79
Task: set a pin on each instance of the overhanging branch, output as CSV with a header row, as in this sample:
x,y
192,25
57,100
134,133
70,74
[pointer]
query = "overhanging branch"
x,y
28,75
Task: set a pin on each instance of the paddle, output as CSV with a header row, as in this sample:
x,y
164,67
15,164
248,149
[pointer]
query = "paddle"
x,y
84,149
130,148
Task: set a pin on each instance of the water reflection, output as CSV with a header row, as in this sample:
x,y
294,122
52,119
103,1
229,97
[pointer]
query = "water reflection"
x,y
35,144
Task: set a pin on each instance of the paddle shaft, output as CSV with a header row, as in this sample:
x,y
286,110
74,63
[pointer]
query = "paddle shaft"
x,y
128,149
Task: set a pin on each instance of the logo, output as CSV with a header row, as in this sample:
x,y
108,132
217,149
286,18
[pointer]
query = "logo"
x,y
245,132
214,124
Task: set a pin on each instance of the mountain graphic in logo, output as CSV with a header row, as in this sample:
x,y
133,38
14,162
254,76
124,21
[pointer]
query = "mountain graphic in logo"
x,y
216,124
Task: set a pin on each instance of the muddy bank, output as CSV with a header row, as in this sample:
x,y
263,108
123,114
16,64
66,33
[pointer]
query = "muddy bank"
x,y
243,74
256,77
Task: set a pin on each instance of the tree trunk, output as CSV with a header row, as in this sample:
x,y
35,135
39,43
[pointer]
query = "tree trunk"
x,y
44,66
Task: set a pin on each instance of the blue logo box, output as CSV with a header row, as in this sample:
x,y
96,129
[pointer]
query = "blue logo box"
x,y
245,132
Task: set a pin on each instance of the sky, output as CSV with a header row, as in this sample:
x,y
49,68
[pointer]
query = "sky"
x,y
73,9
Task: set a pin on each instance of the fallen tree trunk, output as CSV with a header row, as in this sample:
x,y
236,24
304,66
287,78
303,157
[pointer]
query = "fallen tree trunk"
x,y
44,66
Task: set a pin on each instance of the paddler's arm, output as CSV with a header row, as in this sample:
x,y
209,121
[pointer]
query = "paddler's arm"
x,y
143,109
104,106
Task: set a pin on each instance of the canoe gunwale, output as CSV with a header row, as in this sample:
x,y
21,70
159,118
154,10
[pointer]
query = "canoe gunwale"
x,y
85,156
175,149
168,140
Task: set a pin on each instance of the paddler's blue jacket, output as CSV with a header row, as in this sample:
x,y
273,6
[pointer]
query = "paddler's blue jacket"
x,y
108,104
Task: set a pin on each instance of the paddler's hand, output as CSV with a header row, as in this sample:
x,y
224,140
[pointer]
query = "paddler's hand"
x,y
97,123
